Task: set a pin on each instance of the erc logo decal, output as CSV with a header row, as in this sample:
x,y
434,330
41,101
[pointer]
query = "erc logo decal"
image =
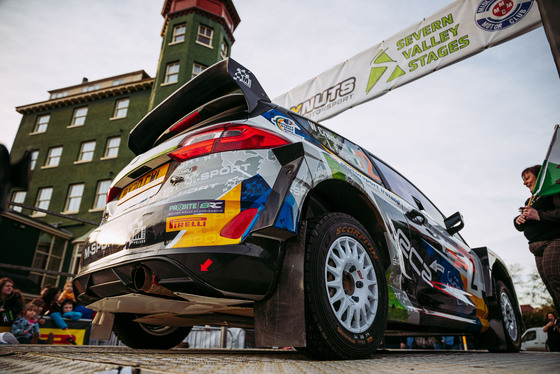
x,y
380,63
181,223
495,15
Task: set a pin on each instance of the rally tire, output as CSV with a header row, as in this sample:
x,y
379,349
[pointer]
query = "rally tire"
x,y
345,290
510,317
142,336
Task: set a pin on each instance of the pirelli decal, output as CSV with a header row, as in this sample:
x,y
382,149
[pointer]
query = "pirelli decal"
x,y
184,222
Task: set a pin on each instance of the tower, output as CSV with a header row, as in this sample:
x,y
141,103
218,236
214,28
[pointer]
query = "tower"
x,y
196,34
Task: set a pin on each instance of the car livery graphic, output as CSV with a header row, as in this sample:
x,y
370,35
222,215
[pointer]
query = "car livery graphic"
x,y
238,212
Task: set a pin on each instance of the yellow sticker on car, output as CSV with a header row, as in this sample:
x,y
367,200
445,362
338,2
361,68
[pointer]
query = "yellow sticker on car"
x,y
152,179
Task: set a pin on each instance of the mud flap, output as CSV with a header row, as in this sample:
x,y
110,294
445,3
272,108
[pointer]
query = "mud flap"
x,y
102,325
280,320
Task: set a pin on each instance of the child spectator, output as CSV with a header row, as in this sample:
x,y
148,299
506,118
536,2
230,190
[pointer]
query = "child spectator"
x,y
26,328
67,293
68,310
52,307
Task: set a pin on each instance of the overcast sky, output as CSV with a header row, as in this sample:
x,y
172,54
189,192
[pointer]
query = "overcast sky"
x,y
462,134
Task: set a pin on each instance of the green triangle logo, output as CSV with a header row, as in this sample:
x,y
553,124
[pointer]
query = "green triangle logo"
x,y
376,72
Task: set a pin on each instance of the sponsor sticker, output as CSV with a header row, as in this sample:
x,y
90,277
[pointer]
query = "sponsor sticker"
x,y
184,208
496,15
184,222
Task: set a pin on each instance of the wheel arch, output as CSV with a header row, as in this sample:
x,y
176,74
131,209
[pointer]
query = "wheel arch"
x,y
334,195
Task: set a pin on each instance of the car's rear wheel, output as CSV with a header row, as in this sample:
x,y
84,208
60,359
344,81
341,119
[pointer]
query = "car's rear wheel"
x,y
345,290
143,336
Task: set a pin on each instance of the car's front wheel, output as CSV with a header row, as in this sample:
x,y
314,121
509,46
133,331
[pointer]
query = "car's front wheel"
x,y
143,336
345,290
511,318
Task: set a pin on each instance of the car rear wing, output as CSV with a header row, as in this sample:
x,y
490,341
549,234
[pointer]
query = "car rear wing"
x,y
219,80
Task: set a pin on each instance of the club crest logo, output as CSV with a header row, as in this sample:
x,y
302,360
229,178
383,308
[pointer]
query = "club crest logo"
x,y
496,15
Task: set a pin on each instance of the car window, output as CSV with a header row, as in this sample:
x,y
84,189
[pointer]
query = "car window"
x,y
530,335
407,191
344,148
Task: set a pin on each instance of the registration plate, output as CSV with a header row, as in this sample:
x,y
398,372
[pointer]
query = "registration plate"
x,y
152,179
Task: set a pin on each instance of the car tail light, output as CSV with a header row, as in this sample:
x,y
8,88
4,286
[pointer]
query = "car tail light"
x,y
113,192
226,138
235,228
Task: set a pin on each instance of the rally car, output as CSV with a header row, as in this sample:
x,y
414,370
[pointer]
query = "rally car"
x,y
237,212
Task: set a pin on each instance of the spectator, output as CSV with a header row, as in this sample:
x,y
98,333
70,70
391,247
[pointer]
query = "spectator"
x,y
552,329
67,293
26,328
10,302
8,338
52,307
68,310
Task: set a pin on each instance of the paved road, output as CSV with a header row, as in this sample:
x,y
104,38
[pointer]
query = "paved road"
x,y
104,359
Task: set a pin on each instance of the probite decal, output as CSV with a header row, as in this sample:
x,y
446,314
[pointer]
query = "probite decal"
x,y
184,208
496,15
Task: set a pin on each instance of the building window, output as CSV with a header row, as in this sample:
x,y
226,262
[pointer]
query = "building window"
x,y
93,87
86,151
121,108
49,253
44,198
53,158
179,34
224,50
79,116
197,69
172,73
59,95
18,197
205,36
112,147
74,199
42,123
118,82
34,157
101,194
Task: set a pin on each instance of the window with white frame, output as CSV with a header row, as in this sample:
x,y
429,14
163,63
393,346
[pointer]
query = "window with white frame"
x,y
34,157
224,49
118,82
42,123
121,108
49,253
44,197
18,197
79,116
86,151
179,33
53,157
205,34
172,73
101,194
197,69
74,199
112,147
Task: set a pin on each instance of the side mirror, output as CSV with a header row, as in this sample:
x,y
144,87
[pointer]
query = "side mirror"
x,y
454,223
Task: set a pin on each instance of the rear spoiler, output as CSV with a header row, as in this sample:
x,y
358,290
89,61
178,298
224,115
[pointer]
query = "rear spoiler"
x,y
220,79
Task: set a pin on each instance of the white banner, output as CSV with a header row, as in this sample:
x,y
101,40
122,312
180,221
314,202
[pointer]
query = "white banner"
x,y
458,31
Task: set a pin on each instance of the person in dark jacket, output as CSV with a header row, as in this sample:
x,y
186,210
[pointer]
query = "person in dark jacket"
x,y
540,222
552,329
10,302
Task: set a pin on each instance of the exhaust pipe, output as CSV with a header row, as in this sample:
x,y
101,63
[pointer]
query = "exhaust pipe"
x,y
144,279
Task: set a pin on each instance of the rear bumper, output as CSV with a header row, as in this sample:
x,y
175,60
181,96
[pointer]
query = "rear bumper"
x,y
244,271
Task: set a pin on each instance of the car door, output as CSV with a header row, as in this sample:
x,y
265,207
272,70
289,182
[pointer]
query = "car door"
x,y
439,269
